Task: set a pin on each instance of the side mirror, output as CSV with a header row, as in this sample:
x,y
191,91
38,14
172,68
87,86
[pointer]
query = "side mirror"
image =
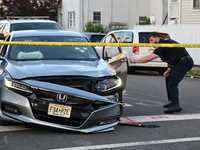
x,y
2,37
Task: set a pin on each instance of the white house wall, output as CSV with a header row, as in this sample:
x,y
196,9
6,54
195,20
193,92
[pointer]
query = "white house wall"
x,y
157,11
69,6
103,6
122,12
188,15
126,11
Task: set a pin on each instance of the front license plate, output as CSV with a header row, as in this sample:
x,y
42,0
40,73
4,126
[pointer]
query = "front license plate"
x,y
59,110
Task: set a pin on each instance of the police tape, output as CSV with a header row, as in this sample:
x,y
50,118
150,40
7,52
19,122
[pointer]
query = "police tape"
x,y
98,44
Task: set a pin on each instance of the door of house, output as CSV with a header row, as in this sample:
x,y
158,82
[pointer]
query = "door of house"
x,y
174,12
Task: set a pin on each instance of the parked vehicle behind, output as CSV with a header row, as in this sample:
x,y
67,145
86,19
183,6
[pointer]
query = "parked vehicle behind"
x,y
140,36
67,87
7,26
94,37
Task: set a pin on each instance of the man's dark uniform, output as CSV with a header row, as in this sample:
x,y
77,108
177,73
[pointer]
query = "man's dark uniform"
x,y
180,62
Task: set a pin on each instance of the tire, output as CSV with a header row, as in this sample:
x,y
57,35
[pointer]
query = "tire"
x,y
130,70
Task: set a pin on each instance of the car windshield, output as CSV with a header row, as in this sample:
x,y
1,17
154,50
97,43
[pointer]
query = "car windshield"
x,y
43,52
33,26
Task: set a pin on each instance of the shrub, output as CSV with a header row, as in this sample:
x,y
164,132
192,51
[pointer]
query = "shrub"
x,y
94,27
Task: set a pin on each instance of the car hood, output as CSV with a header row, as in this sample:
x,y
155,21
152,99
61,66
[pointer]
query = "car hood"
x,y
36,68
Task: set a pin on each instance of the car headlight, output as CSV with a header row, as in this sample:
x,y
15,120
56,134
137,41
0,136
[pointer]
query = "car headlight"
x,y
16,86
108,84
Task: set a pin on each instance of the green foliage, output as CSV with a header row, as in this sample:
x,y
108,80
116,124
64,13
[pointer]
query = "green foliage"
x,y
147,21
28,7
193,73
94,27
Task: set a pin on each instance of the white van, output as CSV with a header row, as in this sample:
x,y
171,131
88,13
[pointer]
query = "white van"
x,y
140,36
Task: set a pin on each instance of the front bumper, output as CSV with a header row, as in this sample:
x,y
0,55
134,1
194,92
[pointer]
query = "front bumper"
x,y
84,117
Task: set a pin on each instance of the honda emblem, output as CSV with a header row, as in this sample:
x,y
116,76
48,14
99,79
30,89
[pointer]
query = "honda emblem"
x,y
62,98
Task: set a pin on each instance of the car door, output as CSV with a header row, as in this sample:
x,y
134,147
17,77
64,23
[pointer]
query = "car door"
x,y
115,57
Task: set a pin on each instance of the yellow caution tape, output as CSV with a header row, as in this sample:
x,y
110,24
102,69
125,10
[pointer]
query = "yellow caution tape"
x,y
98,44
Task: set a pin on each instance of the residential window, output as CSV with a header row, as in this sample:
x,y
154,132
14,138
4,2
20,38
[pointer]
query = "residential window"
x,y
196,4
142,18
97,17
71,19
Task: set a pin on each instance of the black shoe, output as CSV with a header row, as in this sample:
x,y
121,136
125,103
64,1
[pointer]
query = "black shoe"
x,y
173,109
168,105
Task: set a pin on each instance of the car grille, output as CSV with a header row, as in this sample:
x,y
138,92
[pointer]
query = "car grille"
x,y
83,83
81,108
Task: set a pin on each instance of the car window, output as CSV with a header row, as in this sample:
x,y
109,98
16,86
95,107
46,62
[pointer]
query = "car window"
x,y
103,39
144,37
110,39
33,26
119,36
30,52
4,47
111,51
1,26
6,29
128,37
96,38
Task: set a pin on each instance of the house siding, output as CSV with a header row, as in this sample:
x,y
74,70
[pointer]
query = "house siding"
x,y
157,7
95,5
188,15
129,11
126,11
70,6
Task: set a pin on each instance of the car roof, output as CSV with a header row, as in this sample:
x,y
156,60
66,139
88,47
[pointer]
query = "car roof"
x,y
139,30
45,33
29,21
91,33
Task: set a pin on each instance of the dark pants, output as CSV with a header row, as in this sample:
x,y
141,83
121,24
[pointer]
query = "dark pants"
x,y
175,77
